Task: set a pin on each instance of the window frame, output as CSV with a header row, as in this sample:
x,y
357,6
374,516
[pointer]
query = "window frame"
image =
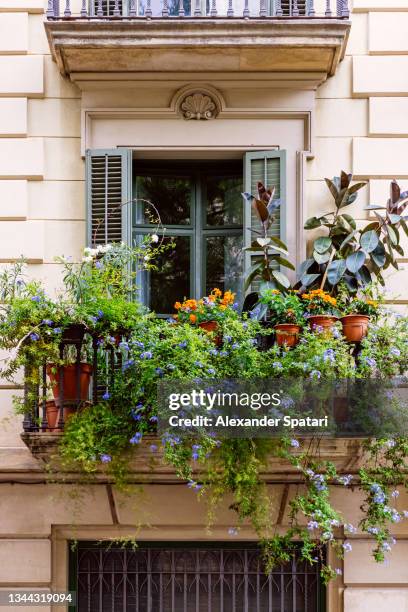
x,y
197,229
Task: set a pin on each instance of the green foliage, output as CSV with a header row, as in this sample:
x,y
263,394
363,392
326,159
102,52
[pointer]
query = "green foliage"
x,y
266,266
347,254
280,307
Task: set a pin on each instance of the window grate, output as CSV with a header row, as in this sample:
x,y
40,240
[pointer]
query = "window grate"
x,y
196,579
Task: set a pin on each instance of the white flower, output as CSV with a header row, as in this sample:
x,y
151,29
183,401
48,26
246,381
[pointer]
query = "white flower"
x,y
155,238
146,257
87,259
87,251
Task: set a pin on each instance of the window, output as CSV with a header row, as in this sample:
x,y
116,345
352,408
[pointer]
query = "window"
x,y
202,210
201,207
189,578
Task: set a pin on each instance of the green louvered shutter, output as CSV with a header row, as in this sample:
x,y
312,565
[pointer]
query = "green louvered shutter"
x,y
109,191
268,167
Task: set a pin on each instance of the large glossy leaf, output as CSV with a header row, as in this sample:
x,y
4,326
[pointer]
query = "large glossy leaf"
x,y
355,261
260,209
349,220
345,179
251,276
394,218
321,258
278,249
364,276
273,206
356,187
343,223
378,255
348,239
281,278
369,241
263,242
285,263
279,242
332,187
374,207
335,271
351,282
312,223
304,266
321,245
404,226
308,279
395,192
392,234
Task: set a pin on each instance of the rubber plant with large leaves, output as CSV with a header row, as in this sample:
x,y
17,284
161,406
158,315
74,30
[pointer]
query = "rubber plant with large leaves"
x,y
357,257
269,252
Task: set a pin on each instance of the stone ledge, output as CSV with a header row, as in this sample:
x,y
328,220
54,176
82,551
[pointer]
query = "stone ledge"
x,y
242,46
345,453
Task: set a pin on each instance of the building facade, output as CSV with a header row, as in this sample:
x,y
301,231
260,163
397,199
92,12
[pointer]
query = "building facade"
x,y
107,102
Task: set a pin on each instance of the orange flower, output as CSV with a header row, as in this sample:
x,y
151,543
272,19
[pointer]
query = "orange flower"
x,y
177,305
217,292
193,318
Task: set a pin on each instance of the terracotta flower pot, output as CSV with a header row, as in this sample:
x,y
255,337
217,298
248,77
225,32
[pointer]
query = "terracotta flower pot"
x,y
70,381
355,327
322,321
211,327
287,333
53,415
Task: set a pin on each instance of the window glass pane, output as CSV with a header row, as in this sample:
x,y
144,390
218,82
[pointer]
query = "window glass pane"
x,y
224,262
224,205
171,195
168,284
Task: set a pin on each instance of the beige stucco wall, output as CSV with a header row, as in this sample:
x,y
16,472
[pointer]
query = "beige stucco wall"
x,y
359,123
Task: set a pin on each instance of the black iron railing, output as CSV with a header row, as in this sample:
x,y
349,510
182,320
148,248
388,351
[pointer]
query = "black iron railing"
x,y
197,9
53,392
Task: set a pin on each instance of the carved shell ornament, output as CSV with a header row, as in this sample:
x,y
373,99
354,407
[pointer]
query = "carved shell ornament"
x,y
199,106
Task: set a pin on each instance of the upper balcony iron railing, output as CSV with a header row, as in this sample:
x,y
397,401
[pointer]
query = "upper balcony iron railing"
x,y
198,9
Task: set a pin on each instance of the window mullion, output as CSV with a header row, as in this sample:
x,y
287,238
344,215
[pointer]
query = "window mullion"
x,y
197,266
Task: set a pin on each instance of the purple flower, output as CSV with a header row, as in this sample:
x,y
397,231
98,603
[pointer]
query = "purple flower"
x,y
345,480
100,314
339,572
232,531
277,365
98,265
137,438
294,443
105,458
329,355
57,330
315,374
106,395
235,345
34,337
347,547
47,322
139,344
146,355
153,419
394,351
371,362
312,525
198,364
36,298
159,371
350,528
395,494
213,352
372,530
183,344
153,448
211,371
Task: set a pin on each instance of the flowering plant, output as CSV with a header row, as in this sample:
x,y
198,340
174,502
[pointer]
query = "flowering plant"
x,y
283,307
214,307
319,302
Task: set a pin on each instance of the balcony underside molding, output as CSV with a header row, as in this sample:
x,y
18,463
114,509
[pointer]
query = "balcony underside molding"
x,y
213,45
345,453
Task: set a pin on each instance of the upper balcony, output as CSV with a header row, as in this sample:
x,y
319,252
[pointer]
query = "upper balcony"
x,y
235,36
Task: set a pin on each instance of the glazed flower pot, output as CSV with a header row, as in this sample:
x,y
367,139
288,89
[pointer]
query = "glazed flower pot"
x,y
355,327
322,322
265,342
70,381
287,334
211,327
53,415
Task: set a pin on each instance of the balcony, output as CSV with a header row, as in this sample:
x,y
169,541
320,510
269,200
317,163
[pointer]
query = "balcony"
x,y
236,36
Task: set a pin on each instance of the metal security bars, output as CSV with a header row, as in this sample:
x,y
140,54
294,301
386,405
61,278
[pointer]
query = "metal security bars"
x,y
148,9
190,579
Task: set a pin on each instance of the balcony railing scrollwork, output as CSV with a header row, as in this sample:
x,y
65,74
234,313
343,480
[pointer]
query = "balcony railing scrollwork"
x,y
196,9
